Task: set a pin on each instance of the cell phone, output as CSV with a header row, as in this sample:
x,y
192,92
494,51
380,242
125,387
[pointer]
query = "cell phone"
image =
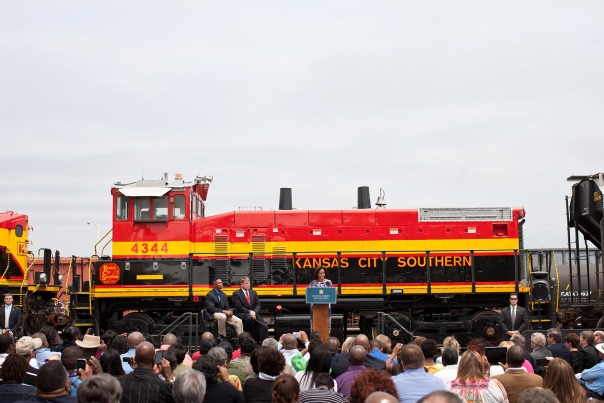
x,y
496,355
541,362
297,335
127,359
81,364
158,356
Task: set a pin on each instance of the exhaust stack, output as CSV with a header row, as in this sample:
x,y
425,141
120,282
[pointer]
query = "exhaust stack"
x,y
363,201
285,199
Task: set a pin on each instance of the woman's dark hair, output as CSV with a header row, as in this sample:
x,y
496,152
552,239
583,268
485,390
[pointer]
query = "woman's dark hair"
x,y
248,345
429,348
271,361
171,357
254,358
228,349
14,368
312,344
286,389
319,362
120,343
51,335
208,366
317,271
206,346
108,338
111,362
71,333
180,352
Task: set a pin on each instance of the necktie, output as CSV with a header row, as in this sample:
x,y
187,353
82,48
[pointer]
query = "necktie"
x,y
6,315
247,296
513,317
218,293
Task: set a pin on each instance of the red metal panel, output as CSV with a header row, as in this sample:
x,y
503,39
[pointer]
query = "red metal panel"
x,y
359,217
396,217
325,218
254,218
291,218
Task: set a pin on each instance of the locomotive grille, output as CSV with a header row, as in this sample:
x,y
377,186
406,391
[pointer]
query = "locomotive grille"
x,y
259,264
221,259
465,214
279,273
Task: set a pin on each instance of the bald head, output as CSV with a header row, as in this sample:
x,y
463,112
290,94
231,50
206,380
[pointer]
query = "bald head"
x,y
207,336
362,340
381,397
145,355
289,342
169,339
357,355
134,339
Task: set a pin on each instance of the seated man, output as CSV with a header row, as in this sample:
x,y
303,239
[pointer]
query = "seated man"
x,y
592,379
217,306
247,308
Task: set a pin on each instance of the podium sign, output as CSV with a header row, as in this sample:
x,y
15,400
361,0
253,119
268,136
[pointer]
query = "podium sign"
x,y
321,295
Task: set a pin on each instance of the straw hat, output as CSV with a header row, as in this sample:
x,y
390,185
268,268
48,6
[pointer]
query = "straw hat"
x,y
89,341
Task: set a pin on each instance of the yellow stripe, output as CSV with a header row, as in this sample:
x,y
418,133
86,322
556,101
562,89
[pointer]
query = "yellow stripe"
x,y
164,248
149,276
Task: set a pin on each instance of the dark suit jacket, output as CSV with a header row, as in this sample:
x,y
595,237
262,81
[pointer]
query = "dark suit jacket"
x,y
341,365
559,350
241,305
506,319
517,381
541,353
213,305
590,356
14,319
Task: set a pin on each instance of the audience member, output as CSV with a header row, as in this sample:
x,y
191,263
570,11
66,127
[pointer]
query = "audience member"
x,y
233,369
189,387
357,365
290,348
70,335
430,349
111,363
69,358
270,364
169,340
419,340
593,378
54,385
12,389
142,385
450,358
450,341
102,388
108,337
571,342
43,352
221,358
319,362
525,363
120,343
134,340
224,391
442,396
472,382
538,345
538,395
561,380
90,345
415,382
342,361
333,345
385,342
516,379
180,352
54,341
347,345
323,392
588,351
26,347
7,346
285,390
519,340
598,337
373,380
554,339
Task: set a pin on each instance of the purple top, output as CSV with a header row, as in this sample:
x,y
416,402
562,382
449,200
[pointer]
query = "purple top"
x,y
347,378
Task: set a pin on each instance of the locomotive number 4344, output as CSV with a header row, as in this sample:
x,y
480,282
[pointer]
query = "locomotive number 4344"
x,y
146,248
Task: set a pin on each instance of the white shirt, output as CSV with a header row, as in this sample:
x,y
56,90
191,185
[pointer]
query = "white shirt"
x,y
449,373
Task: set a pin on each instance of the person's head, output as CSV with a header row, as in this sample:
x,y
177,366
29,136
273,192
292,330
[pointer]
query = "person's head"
x,y
171,358
189,387
108,337
316,336
53,381
71,334
357,355
7,343
554,336
539,395
471,367
206,345
381,397
169,339
560,379
347,345
333,345
478,344
450,356
441,396
429,348
254,358
228,349
362,340
515,357
600,350
513,299
219,354
272,362
8,298
312,344
207,336
208,366
290,342
69,357
419,340
537,340
412,356
27,346
245,283
111,362
145,355
325,380
285,389
372,380
218,284
248,345
571,341
42,339
586,338
320,274
244,335
272,343
385,342
375,345
120,343
451,341
14,368
52,337
598,337
518,339
102,388
135,339
506,344
180,352
319,362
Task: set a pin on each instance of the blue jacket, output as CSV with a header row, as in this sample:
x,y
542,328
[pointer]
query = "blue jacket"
x,y
559,350
13,392
597,374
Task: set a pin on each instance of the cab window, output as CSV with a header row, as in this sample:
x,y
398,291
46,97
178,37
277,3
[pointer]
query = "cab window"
x,y
141,208
178,211
121,208
19,231
160,208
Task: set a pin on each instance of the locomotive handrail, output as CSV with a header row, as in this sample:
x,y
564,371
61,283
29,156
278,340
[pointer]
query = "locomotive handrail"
x,y
381,324
182,318
101,240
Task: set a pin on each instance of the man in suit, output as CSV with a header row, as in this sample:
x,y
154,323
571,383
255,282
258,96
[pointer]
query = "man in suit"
x,y
247,308
558,349
343,359
10,316
513,318
538,345
516,380
590,355
217,306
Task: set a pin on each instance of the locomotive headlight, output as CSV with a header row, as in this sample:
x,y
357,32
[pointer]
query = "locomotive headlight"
x,y
60,278
43,278
489,331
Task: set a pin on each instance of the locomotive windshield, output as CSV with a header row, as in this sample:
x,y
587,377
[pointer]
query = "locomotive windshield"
x,y
151,208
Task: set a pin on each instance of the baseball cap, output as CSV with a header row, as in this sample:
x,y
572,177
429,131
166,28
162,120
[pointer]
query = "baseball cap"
x,y
26,345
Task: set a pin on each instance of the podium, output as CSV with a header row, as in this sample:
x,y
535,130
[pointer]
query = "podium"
x,y
321,298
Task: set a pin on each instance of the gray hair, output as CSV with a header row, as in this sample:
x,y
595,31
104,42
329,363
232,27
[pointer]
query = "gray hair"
x,y
538,339
219,354
272,343
519,337
189,386
102,388
538,395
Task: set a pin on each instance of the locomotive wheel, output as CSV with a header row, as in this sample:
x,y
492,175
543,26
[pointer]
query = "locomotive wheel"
x,y
137,322
490,332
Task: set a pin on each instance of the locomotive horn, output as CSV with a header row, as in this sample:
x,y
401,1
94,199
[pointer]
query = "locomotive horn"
x,y
285,199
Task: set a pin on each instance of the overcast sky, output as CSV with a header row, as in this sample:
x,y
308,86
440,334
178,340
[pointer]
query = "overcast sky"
x,y
440,103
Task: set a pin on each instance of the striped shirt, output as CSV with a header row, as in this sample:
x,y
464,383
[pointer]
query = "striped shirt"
x,y
322,395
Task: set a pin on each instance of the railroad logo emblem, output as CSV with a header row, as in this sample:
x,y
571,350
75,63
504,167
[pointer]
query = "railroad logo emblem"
x,y
22,248
109,273
321,292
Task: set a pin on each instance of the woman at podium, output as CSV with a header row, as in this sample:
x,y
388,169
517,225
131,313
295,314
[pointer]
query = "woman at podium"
x,y
320,281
